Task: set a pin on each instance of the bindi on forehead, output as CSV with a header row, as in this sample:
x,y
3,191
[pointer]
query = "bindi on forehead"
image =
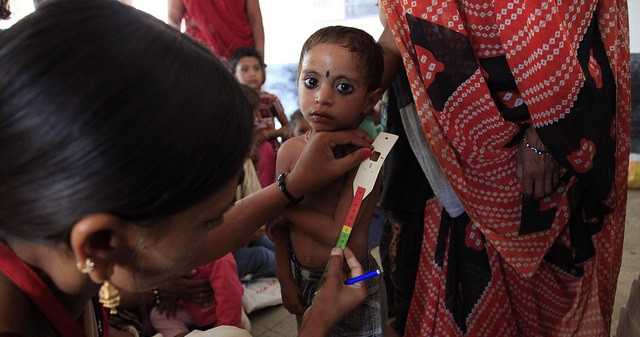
x,y
327,74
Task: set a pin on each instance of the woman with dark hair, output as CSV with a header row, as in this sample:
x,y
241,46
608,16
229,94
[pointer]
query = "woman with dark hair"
x,y
121,141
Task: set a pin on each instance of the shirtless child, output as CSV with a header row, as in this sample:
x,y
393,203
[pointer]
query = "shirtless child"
x,y
338,84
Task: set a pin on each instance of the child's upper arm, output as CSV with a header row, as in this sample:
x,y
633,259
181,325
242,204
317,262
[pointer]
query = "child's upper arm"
x,y
288,155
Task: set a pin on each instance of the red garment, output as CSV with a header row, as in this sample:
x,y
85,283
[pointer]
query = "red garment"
x,y
480,73
30,283
270,108
221,25
226,306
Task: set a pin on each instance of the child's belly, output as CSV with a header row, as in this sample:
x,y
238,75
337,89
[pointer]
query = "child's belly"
x,y
309,252
312,253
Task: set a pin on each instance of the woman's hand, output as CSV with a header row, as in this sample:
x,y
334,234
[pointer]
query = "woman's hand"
x,y
317,164
183,286
334,300
538,173
276,228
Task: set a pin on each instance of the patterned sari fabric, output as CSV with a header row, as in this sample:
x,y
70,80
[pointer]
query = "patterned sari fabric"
x,y
481,73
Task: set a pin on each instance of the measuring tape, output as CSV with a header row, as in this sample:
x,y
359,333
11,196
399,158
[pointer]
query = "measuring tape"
x,y
362,185
351,218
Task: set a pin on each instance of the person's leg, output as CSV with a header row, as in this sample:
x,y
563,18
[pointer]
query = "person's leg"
x,y
263,241
258,261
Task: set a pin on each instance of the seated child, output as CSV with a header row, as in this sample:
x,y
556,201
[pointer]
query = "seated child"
x,y
338,84
256,257
248,66
224,309
298,124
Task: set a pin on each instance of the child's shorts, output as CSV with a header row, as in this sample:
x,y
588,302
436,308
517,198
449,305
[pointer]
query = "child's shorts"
x,y
369,319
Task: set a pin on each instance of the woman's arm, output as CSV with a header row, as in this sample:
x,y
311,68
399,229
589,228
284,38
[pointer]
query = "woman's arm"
x,y
392,58
176,12
255,20
316,167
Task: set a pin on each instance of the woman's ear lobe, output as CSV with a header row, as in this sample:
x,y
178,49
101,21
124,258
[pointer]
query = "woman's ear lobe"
x,y
94,238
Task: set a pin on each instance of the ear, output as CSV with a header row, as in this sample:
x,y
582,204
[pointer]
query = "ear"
x,y
372,99
97,237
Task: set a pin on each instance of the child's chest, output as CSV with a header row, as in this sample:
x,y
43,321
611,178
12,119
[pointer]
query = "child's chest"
x,y
326,200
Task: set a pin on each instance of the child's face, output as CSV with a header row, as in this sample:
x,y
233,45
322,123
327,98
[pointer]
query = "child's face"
x,y
302,126
332,92
249,72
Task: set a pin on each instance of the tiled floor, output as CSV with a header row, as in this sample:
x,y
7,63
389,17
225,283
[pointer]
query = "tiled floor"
x,y
277,322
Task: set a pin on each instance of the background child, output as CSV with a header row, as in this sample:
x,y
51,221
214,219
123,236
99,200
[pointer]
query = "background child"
x,y
299,125
338,85
172,318
248,66
256,257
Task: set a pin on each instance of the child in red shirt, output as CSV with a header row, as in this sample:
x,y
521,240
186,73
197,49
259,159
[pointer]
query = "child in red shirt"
x,y
224,309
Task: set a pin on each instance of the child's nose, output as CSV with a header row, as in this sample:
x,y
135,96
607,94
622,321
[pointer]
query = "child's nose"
x,y
324,95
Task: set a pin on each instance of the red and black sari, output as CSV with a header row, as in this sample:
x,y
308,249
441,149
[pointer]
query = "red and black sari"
x,y
481,73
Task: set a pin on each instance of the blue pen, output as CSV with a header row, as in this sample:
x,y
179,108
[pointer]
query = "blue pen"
x,y
363,277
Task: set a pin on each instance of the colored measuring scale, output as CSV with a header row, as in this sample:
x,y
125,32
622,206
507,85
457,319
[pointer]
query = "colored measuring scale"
x,y
351,218
363,183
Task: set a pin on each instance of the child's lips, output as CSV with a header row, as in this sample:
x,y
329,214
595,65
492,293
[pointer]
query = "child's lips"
x,y
320,116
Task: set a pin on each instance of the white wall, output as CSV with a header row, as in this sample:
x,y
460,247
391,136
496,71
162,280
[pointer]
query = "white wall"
x,y
288,23
634,25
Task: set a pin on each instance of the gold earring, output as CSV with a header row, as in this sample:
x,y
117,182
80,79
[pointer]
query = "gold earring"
x,y
88,266
109,297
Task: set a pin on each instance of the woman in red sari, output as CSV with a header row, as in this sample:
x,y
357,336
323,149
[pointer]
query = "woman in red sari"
x,y
221,25
526,106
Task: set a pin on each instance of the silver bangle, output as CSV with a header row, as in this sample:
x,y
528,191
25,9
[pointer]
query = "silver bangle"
x,y
533,148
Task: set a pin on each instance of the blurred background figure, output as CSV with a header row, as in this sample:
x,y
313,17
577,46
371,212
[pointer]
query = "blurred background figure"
x,y
247,64
298,124
221,25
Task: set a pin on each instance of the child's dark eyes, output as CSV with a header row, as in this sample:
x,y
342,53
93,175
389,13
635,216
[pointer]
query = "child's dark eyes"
x,y
310,82
344,88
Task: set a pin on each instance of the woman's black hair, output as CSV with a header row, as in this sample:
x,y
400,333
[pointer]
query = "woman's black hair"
x,y
104,108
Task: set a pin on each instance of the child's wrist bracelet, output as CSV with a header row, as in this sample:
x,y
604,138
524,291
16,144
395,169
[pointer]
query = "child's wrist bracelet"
x,y
283,188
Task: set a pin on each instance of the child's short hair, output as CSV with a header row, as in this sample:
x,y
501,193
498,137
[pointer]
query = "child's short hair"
x,y
357,41
242,52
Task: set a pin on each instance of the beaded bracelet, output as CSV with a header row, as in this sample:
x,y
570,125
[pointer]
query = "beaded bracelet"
x,y
156,294
533,148
283,188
